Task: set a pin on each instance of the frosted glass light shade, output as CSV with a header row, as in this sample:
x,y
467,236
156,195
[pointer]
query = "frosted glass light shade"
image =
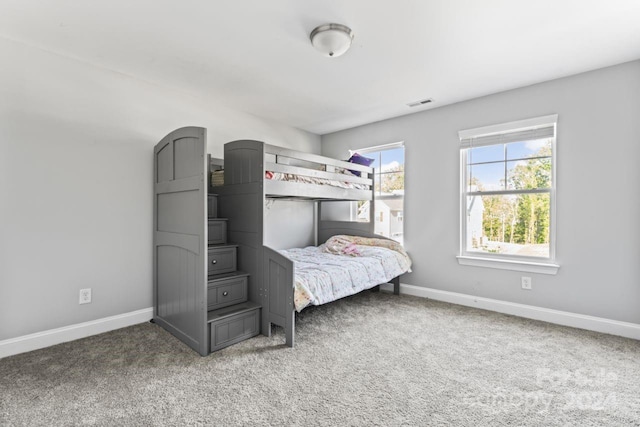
x,y
332,39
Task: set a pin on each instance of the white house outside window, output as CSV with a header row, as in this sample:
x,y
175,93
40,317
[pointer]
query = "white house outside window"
x,y
508,196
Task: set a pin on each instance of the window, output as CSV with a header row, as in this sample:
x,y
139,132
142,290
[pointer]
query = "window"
x,y
388,167
508,196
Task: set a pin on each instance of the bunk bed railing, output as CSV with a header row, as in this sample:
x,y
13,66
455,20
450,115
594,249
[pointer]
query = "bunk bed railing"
x,y
284,153
314,173
342,183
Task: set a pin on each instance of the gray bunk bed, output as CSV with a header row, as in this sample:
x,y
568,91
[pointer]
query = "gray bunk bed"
x,y
242,201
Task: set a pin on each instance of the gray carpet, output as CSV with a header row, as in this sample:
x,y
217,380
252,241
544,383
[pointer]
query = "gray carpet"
x,y
371,359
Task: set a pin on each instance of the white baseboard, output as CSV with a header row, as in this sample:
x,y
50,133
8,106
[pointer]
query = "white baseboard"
x,y
565,318
73,332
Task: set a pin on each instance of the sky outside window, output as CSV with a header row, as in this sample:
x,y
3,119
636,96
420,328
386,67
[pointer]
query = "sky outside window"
x,y
386,158
486,165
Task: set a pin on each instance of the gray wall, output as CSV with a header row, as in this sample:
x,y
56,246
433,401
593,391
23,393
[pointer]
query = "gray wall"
x,y
76,152
289,224
598,203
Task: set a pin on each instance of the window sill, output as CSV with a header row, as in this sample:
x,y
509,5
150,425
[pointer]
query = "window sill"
x,y
530,267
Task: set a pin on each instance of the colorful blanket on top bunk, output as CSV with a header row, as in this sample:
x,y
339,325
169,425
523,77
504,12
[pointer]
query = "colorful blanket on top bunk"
x,y
217,179
279,176
344,266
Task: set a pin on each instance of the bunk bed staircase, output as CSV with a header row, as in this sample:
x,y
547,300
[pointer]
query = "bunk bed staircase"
x,y
230,316
199,294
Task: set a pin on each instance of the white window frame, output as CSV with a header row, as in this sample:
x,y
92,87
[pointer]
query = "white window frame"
x,y
377,148
504,261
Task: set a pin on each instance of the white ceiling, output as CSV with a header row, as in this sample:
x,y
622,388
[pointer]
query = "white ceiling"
x,y
255,55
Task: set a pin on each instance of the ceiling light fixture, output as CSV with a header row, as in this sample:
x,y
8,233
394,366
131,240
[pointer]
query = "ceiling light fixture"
x,y
331,39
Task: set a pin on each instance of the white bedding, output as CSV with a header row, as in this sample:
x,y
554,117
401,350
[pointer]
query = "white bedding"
x,y
322,277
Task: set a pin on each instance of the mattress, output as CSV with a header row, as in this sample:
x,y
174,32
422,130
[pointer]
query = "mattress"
x,y
322,277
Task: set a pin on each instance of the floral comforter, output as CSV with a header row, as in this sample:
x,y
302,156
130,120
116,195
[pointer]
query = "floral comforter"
x,y
322,277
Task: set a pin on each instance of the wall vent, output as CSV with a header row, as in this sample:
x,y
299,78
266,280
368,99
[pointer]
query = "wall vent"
x,y
421,102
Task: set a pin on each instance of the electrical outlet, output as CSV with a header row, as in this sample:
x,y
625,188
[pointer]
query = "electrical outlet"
x,y
85,296
526,282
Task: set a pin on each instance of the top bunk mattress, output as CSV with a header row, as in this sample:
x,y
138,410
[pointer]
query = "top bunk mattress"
x,y
344,266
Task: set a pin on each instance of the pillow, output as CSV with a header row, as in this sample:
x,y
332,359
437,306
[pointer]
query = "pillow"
x,y
360,160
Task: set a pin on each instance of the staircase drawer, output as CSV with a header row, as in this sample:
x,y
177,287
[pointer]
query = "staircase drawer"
x,y
223,293
222,260
233,329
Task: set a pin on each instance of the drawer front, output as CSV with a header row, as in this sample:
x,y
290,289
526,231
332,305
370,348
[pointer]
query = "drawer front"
x,y
217,232
227,292
234,329
212,206
222,260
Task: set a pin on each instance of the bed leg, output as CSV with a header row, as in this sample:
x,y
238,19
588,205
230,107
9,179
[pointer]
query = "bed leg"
x,y
375,288
396,285
289,330
266,328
